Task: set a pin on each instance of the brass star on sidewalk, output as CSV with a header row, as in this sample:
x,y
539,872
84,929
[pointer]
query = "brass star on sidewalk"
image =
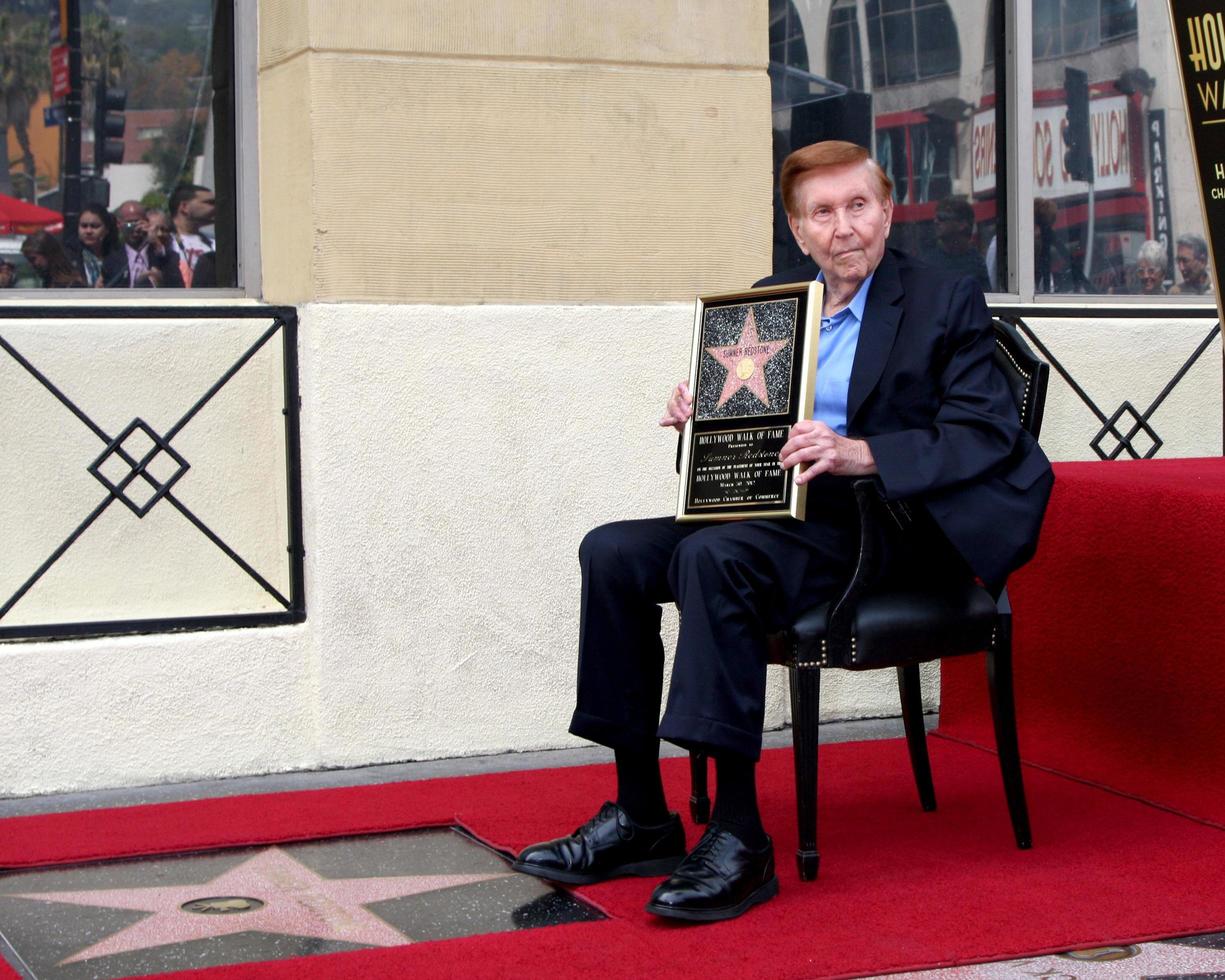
x,y
745,361
296,901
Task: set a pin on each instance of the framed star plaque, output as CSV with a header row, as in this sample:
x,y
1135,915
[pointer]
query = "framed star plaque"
x,y
752,376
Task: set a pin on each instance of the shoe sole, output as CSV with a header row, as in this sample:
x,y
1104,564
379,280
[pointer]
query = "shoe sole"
x,y
764,893
640,869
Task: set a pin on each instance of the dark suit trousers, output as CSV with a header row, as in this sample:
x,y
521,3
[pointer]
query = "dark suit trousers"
x,y
733,583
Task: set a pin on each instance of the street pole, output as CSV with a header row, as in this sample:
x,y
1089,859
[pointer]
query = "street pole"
x,y
71,173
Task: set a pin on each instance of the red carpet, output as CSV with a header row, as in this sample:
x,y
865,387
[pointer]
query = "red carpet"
x,y
898,888
1120,641
1121,682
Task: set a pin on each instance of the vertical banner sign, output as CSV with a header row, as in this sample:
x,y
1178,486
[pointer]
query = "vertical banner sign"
x,y
61,77
1199,38
1159,187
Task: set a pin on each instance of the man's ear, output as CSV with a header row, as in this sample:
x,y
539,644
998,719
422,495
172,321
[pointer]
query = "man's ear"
x,y
794,225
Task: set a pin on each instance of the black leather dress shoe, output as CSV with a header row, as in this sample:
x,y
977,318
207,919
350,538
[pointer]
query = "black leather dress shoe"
x,y
720,879
609,845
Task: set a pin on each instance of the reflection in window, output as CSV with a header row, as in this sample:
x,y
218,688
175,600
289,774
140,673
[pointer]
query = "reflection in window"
x,y
787,46
911,40
1118,19
148,173
844,57
1070,26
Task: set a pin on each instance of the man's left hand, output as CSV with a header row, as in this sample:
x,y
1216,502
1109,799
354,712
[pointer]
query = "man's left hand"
x,y
817,449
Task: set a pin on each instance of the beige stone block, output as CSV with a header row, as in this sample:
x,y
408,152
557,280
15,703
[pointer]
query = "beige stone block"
x,y
689,32
286,163
520,183
284,29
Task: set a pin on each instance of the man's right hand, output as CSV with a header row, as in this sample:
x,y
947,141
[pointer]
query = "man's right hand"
x,y
680,407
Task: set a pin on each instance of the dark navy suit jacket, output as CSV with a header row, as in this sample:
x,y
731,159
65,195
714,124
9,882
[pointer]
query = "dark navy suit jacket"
x,y
943,428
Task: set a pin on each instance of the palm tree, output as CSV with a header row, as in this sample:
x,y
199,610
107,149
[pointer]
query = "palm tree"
x,y
24,72
103,47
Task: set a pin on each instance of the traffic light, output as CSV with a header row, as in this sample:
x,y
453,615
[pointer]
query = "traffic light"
x,y
109,124
1078,161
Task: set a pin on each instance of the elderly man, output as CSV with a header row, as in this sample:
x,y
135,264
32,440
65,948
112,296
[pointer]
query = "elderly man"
x,y
1191,256
141,262
906,389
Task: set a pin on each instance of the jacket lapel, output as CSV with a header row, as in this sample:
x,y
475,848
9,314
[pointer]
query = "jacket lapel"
x,y
881,316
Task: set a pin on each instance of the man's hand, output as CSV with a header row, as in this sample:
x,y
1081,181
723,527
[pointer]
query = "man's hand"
x,y
817,449
680,407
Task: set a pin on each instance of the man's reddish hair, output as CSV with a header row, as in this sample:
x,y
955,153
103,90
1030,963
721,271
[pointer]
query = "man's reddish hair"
x,y
826,155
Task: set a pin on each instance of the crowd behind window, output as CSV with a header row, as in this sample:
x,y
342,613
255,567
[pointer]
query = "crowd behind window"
x,y
1129,222
146,214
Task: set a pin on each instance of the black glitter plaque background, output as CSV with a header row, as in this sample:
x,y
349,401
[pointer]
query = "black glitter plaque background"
x,y
722,327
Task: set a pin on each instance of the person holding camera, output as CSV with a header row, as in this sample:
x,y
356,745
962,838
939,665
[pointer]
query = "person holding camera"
x,y
141,262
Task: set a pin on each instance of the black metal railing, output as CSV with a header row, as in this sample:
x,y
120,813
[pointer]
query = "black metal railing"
x,y
139,468
1140,421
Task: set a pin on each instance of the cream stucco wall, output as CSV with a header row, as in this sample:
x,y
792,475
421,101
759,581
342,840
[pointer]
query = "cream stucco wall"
x,y
453,458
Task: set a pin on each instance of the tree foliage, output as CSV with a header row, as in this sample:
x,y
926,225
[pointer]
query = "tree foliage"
x,y
174,154
24,71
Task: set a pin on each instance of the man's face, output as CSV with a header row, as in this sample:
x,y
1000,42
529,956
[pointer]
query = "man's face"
x,y
842,222
159,228
1150,276
1190,265
202,209
952,233
133,224
7,275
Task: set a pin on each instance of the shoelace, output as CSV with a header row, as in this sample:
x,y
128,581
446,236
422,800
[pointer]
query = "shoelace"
x,y
605,810
708,849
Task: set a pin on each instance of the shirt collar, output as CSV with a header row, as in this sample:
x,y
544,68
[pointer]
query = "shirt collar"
x,y
856,306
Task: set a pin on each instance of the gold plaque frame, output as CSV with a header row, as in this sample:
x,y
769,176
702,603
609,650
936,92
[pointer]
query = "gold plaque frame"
x,y
752,375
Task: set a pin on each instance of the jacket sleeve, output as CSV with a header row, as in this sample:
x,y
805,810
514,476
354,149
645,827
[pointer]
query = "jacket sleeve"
x,y
961,423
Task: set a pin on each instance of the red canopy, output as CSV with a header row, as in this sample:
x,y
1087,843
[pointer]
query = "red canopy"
x,y
22,218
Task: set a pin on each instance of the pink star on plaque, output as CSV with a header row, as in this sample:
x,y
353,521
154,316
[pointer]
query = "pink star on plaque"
x,y
273,891
745,361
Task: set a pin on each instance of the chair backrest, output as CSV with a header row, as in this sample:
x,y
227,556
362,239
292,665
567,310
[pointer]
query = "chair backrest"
x,y
1025,372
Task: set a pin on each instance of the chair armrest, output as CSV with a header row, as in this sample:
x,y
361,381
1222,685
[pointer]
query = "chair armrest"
x,y
879,519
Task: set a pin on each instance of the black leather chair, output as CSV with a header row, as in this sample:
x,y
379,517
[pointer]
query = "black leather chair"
x,y
868,627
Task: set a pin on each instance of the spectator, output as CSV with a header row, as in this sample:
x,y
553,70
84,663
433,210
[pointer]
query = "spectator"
x,y
205,274
1147,277
192,207
1192,259
955,251
45,253
98,236
161,230
139,262
8,274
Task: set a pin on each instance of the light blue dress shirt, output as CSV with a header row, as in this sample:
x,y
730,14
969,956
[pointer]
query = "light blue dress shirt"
x,y
835,356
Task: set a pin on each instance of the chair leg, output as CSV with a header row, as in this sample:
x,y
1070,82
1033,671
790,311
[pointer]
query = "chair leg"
x,y
805,722
911,692
1003,713
699,795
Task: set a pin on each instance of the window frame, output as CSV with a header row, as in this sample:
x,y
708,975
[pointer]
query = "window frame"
x,y
245,75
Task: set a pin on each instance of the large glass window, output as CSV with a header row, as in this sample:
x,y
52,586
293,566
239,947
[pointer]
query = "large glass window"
x,y
914,116
140,193
1113,208
1111,204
